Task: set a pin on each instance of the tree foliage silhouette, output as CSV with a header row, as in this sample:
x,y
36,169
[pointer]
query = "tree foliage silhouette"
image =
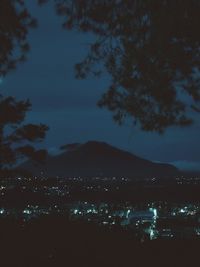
x,y
15,21
16,138
150,48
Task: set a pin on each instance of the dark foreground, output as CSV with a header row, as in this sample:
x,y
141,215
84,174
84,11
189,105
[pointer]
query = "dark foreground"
x,y
54,241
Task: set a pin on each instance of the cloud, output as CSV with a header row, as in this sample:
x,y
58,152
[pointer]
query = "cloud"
x,y
54,151
186,165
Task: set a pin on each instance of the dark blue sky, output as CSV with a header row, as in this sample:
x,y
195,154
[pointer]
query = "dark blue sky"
x,y
68,105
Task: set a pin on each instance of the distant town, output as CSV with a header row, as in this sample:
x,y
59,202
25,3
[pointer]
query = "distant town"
x,y
109,202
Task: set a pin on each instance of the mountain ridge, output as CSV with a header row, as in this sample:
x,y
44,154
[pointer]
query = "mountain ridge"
x,y
99,159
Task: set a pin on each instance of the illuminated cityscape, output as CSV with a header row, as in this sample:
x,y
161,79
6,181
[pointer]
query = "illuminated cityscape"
x,y
143,219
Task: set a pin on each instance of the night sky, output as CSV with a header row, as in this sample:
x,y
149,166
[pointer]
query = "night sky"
x,y
68,106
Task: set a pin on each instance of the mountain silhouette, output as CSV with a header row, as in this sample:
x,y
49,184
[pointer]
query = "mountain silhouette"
x,y
99,159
